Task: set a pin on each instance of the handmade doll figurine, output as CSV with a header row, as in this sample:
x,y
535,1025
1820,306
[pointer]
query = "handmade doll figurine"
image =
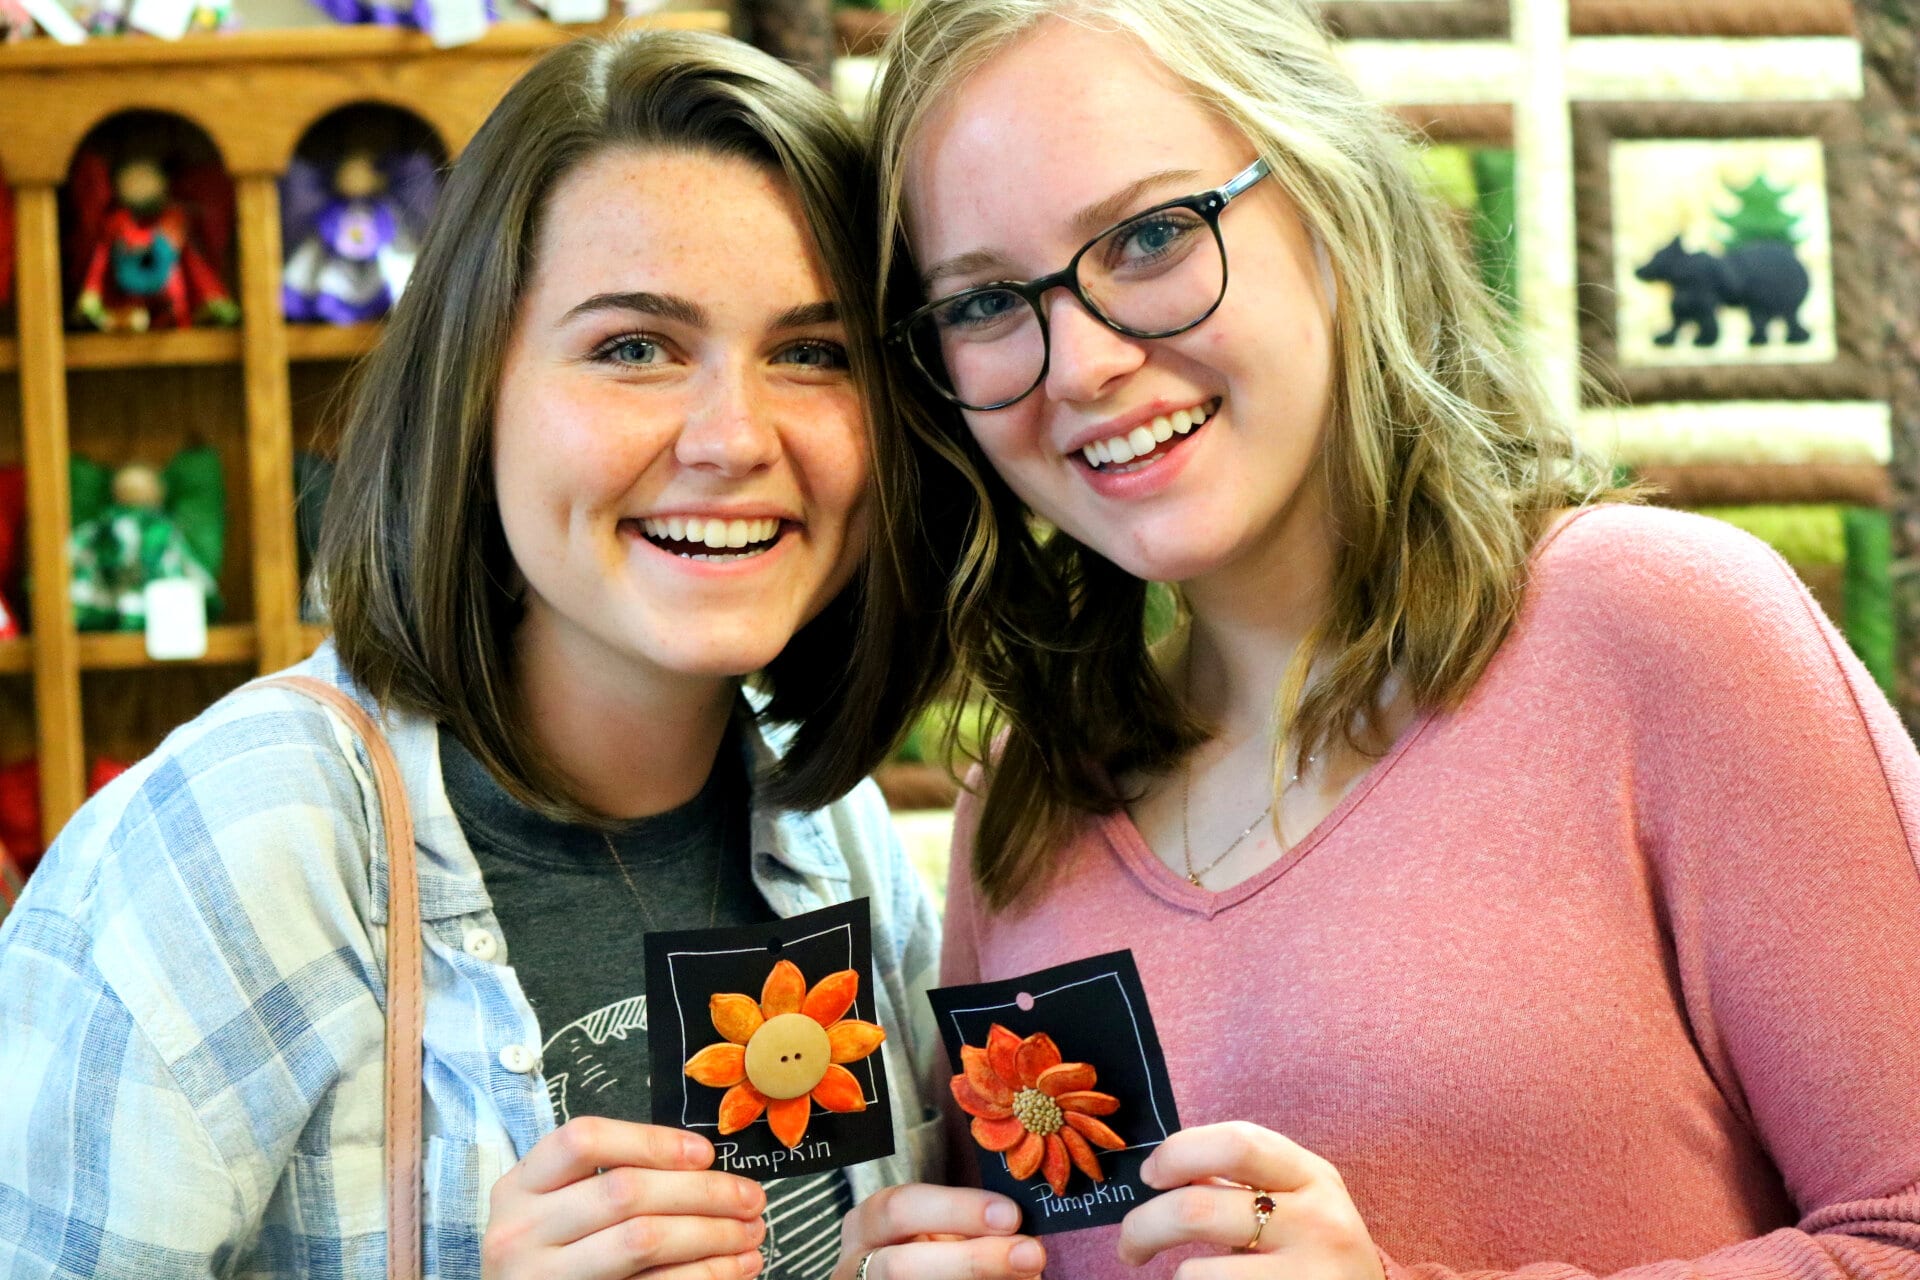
x,y
355,231
131,542
145,265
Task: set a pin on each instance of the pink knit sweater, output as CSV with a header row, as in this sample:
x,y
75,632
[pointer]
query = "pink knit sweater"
x,y
1614,968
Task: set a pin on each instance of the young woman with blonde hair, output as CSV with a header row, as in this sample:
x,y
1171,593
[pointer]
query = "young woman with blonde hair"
x,y
1520,879
619,450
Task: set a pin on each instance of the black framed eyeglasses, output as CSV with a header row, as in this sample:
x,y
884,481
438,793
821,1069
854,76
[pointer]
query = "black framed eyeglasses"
x,y
1153,275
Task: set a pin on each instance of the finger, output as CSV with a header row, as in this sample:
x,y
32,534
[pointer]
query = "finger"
x,y
739,1267
1237,1151
919,1209
1220,1216
593,1204
984,1258
1230,1266
589,1144
641,1246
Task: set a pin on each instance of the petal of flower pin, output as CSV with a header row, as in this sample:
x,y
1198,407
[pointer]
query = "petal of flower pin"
x,y
783,1052
1034,1108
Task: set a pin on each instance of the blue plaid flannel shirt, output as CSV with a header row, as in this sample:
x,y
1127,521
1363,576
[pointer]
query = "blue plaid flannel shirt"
x,y
191,1007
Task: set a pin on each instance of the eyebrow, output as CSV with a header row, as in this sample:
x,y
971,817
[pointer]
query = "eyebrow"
x,y
665,305
807,316
1087,223
669,306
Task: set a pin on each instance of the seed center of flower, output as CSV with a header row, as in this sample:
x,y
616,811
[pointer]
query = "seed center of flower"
x,y
1037,1112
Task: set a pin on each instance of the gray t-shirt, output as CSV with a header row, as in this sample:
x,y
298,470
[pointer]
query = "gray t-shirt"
x,y
573,930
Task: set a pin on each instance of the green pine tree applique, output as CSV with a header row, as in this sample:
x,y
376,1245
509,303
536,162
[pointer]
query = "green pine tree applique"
x,y
1759,216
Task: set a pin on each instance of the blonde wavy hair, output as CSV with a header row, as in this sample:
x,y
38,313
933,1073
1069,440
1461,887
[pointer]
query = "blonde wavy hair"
x,y
1443,459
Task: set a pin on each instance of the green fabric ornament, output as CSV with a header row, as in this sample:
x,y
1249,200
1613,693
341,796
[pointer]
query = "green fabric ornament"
x,y
116,554
197,501
91,487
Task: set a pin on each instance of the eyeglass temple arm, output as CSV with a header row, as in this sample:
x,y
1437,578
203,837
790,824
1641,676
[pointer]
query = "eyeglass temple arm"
x,y
1244,179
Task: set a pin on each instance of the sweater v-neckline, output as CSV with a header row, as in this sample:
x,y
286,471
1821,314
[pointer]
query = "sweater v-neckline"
x,y
1131,848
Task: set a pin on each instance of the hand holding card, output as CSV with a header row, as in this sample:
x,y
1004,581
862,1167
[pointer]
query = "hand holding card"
x,y
570,1207
1061,1076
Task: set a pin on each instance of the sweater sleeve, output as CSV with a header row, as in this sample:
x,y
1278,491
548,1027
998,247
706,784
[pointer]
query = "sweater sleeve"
x,y
1778,806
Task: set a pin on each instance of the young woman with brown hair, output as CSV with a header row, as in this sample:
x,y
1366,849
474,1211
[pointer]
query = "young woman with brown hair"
x,y
1522,882
614,455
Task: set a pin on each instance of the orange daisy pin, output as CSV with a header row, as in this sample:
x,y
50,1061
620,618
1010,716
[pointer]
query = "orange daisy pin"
x,y
1035,1109
784,1052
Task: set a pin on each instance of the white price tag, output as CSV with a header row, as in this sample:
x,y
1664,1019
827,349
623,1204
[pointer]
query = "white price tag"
x,y
453,22
576,10
53,18
176,619
168,19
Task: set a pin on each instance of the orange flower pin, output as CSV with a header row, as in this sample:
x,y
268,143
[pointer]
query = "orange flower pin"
x,y
1034,1108
785,1050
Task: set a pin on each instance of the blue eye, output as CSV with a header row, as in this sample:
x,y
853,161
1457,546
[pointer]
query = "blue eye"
x,y
980,309
630,349
1152,240
816,354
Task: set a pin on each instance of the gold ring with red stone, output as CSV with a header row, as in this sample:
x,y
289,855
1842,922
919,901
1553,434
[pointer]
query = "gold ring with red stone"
x,y
1262,1210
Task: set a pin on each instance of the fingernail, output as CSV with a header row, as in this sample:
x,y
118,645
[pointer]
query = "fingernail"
x,y
697,1148
1027,1258
749,1263
1002,1216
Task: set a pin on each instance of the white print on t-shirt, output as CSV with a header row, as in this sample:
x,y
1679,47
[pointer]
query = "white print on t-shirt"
x,y
571,1059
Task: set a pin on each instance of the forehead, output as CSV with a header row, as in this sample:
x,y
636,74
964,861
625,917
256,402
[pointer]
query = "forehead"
x,y
675,221
1061,118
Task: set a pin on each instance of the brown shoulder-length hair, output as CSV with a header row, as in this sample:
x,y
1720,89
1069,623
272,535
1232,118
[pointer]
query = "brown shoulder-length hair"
x,y
413,560
1444,459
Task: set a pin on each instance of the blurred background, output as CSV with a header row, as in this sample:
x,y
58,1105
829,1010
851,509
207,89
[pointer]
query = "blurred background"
x,y
1600,158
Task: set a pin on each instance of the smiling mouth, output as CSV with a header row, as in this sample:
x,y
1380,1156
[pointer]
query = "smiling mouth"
x,y
697,538
1147,443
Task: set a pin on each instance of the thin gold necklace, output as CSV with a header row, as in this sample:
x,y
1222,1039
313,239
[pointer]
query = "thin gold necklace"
x,y
1186,796
713,902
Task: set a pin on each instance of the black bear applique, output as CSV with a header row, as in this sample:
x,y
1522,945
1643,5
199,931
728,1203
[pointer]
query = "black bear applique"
x,y
1762,276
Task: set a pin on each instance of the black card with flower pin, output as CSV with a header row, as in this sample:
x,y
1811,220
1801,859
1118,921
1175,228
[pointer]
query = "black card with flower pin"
x,y
764,1038
1061,1074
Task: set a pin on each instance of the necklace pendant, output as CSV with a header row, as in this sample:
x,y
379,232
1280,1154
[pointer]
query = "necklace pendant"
x,y
1193,878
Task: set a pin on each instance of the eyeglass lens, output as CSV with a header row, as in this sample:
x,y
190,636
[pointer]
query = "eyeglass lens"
x,y
1151,277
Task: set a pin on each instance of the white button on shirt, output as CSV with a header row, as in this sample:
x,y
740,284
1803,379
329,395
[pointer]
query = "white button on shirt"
x,y
481,944
519,1059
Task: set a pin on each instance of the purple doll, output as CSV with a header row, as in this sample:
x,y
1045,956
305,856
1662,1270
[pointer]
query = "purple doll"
x,y
355,233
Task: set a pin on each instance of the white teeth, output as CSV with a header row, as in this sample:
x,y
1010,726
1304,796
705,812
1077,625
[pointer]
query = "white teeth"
x,y
676,528
716,533
696,529
736,533
1142,440
711,531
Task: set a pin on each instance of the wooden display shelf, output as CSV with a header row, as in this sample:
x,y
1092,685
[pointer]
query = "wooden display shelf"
x,y
124,650
308,342
16,656
300,44
194,346
9,355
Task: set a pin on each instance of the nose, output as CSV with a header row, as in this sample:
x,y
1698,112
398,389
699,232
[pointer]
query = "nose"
x,y
732,431
1084,355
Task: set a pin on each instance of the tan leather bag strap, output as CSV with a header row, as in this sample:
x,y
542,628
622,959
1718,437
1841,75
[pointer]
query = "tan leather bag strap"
x,y
404,1002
